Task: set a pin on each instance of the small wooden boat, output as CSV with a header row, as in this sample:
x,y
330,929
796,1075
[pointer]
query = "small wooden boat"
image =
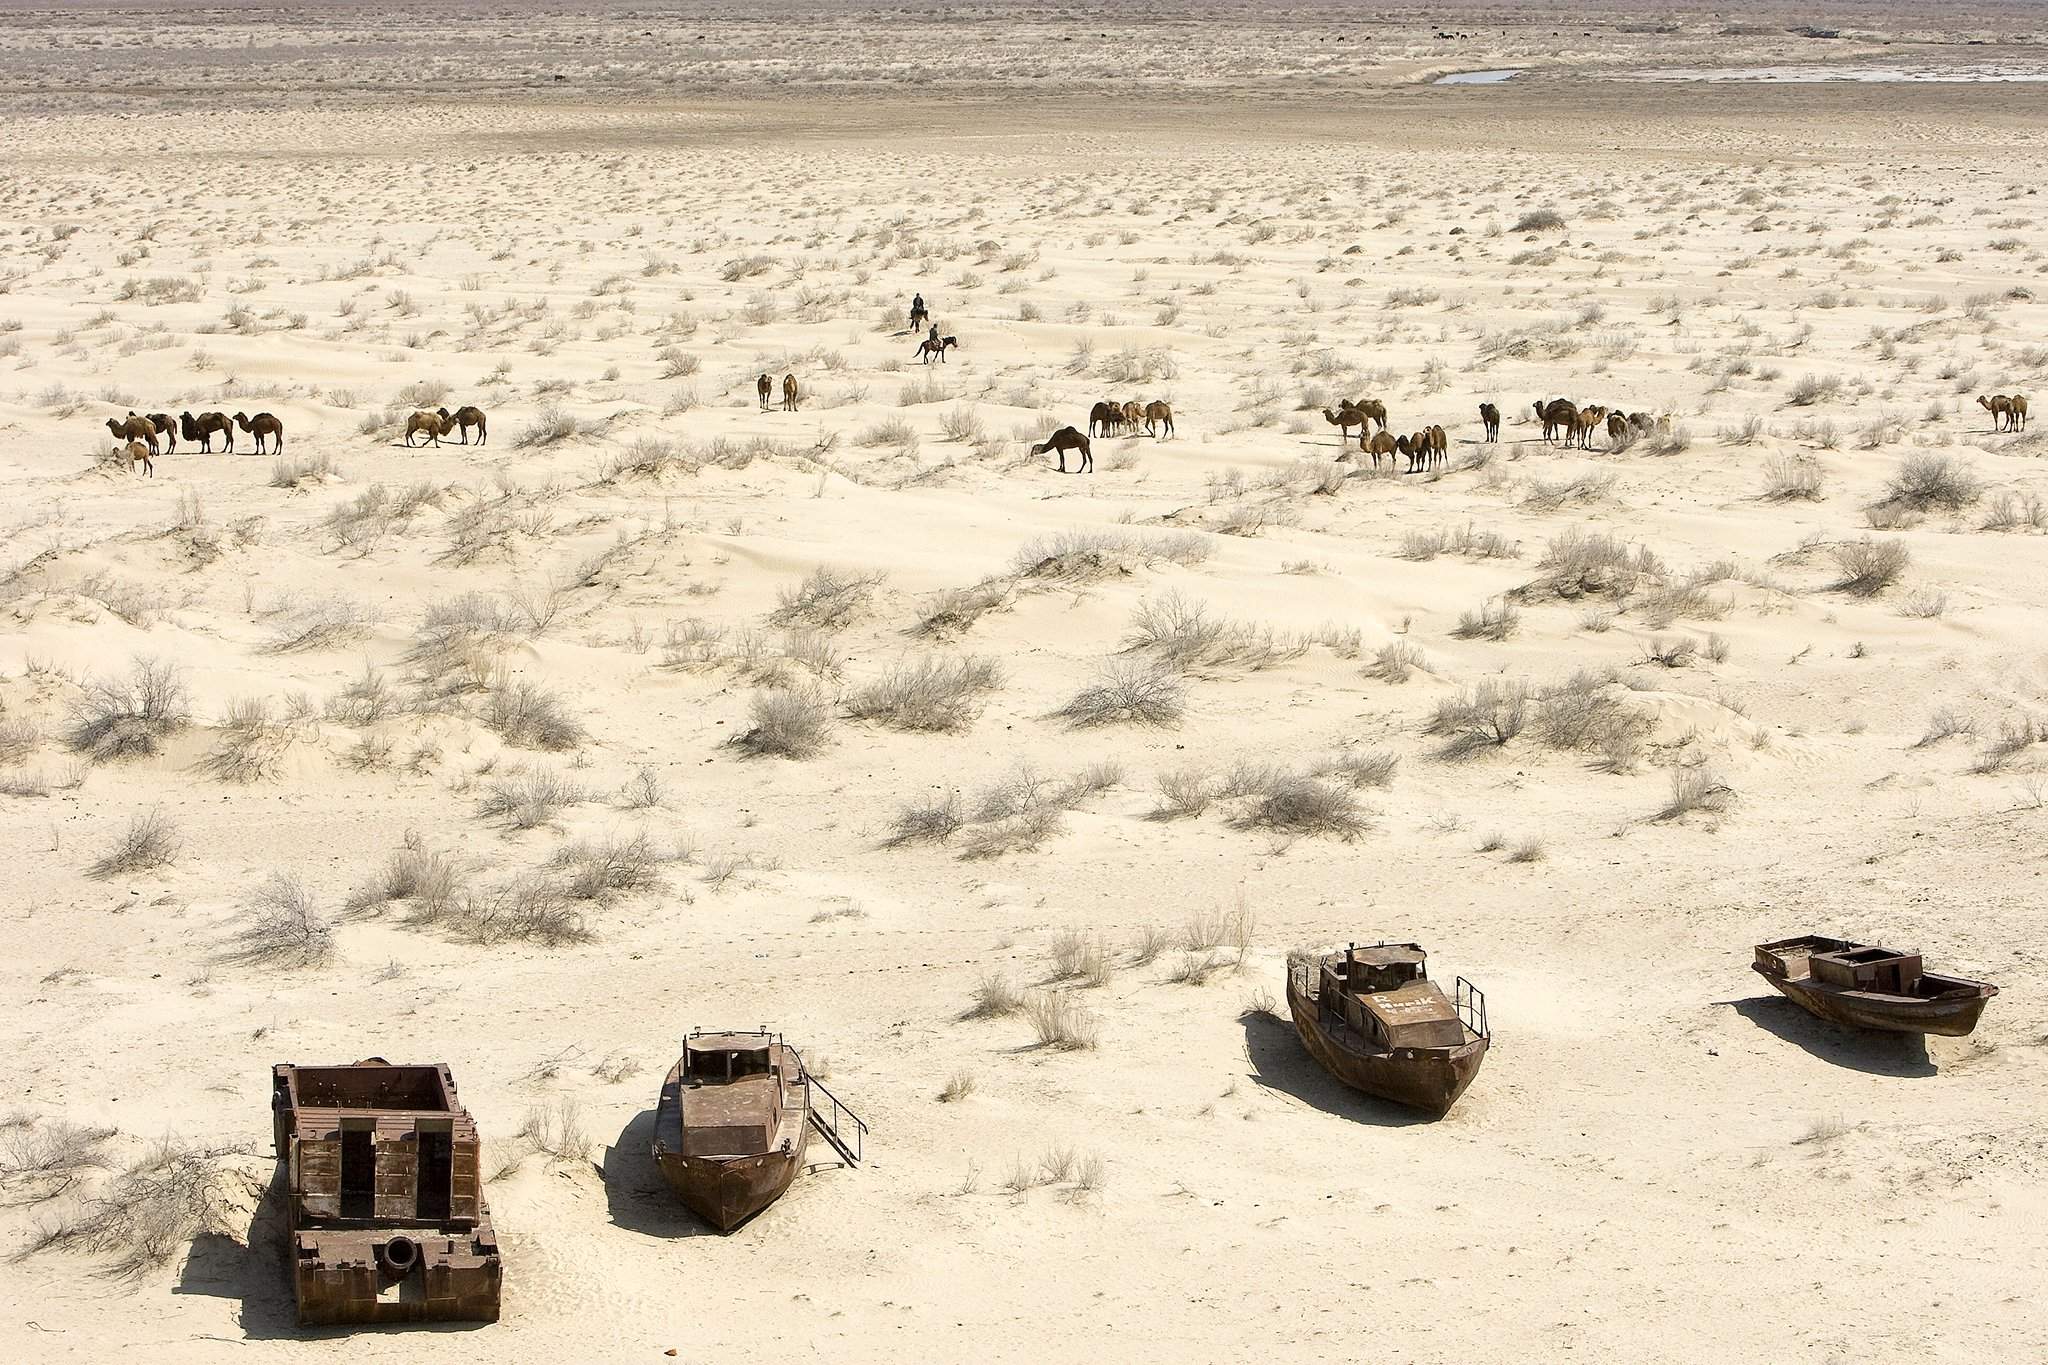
x,y
1861,985
735,1116
1376,1022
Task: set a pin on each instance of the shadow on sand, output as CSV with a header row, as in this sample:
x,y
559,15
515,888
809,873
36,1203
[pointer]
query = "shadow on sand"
x,y
1279,1062
635,1194
1879,1054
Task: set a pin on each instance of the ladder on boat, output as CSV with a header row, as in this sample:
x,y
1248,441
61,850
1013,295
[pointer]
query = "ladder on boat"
x,y
841,1126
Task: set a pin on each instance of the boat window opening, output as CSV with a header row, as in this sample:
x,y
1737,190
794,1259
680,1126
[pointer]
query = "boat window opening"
x,y
358,1167
435,1189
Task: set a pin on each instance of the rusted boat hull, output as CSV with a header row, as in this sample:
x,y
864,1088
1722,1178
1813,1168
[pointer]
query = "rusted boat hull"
x,y
1429,1080
727,1191
1948,1017
349,1278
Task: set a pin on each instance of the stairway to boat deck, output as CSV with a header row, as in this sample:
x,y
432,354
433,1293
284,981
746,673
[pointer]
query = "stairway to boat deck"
x,y
840,1126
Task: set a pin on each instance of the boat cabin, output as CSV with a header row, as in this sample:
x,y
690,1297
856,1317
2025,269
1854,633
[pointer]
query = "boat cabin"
x,y
1384,994
722,1058
375,1143
1881,971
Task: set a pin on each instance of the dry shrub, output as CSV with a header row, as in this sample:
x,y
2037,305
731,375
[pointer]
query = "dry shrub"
x,y
1128,692
1061,1022
1576,564
528,716
1495,620
427,878
994,997
1299,804
1183,793
250,744
287,930
1696,789
826,599
1484,716
1928,481
1793,478
39,1162
528,800
1869,566
140,1220
1086,555
786,724
151,841
527,909
122,717
930,695
1395,661
591,871
932,821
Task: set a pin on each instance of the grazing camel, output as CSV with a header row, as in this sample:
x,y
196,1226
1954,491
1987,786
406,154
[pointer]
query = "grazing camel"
x,y
1489,417
260,426
1158,419
1619,432
166,428
1134,416
1344,419
2007,413
203,427
1378,444
764,389
133,428
136,453
435,424
789,393
464,419
928,350
1064,440
1557,414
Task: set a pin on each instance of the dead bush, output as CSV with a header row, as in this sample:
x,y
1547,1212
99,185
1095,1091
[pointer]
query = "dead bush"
x,y
124,717
786,724
151,841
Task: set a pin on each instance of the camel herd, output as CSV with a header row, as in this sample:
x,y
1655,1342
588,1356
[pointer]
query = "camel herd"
x,y
1564,420
148,429
2008,412
1109,418
439,422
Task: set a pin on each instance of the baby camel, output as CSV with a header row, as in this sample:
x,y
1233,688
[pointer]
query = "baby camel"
x,y
136,454
1064,440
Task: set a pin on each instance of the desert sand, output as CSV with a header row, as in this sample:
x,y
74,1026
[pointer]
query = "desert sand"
x,y
860,722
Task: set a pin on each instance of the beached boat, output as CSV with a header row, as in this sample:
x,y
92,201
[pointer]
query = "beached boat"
x,y
736,1113
385,1214
1376,1022
1861,985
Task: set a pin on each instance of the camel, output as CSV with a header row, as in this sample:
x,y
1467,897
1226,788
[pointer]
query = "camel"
x,y
1489,417
1619,432
260,426
464,419
203,427
1584,423
1372,409
1159,420
789,393
1439,446
166,428
1642,422
1344,419
763,388
1557,413
435,424
1102,417
2007,413
1408,448
1378,444
136,453
928,349
133,428
1064,440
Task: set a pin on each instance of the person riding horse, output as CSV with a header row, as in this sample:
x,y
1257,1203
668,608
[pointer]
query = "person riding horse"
x,y
918,312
